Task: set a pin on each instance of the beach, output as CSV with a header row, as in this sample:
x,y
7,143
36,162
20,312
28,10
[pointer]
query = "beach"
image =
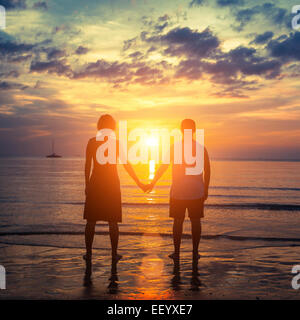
x,y
41,272
250,235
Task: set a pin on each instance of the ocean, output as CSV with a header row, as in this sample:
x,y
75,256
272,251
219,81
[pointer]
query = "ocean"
x,y
250,234
247,199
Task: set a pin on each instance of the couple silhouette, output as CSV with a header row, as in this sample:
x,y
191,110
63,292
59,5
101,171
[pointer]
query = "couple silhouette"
x,y
103,194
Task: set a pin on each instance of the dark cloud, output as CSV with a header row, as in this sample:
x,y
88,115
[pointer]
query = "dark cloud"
x,y
8,74
13,4
224,3
230,70
270,11
263,38
246,61
40,5
128,44
54,53
81,50
59,67
12,48
13,52
288,48
136,55
161,27
117,73
148,75
164,18
187,42
4,85
19,59
195,3
221,3
104,69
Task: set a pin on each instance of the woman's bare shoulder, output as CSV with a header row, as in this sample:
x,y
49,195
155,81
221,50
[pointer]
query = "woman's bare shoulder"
x,y
91,142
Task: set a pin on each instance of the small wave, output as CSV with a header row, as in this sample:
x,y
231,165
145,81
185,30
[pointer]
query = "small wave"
x,y
255,206
255,188
228,187
151,234
220,206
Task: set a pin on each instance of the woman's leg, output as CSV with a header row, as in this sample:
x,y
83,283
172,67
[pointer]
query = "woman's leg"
x,y
89,237
114,239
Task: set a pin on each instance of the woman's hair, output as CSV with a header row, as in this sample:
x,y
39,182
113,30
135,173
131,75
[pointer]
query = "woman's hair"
x,y
106,122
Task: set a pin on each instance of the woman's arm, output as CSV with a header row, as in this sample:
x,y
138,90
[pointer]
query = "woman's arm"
x,y
131,172
88,165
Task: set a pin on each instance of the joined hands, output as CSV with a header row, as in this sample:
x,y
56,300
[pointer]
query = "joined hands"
x,y
146,187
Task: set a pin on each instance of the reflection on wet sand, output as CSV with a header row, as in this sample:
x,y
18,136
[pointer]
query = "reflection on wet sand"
x,y
87,280
195,281
176,279
151,279
176,283
113,285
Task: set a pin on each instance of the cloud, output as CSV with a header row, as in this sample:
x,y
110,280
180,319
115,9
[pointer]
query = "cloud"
x,y
263,38
187,42
121,73
195,3
4,85
54,53
104,69
12,52
246,61
230,70
40,5
287,49
12,48
10,74
224,3
270,11
59,67
13,4
81,50
128,44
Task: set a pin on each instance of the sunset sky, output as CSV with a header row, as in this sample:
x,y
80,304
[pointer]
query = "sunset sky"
x,y
232,65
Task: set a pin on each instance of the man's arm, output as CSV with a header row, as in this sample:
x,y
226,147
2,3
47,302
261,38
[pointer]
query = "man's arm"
x,y
88,165
206,173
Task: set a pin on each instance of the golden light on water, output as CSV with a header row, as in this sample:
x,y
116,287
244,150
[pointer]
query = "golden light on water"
x,y
152,270
153,143
151,169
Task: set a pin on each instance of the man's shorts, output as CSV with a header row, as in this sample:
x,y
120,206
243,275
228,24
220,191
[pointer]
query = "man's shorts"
x,y
195,208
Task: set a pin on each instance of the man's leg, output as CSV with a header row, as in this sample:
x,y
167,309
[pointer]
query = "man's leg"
x,y
177,234
89,238
196,235
114,239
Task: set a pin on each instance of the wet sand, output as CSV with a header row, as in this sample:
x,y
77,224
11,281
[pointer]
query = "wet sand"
x,y
253,271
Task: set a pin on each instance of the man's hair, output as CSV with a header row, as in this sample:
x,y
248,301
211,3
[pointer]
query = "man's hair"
x,y
106,121
188,124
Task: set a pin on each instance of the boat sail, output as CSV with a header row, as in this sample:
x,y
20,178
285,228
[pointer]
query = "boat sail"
x,y
53,154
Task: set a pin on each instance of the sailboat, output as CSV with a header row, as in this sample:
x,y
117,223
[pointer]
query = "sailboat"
x,y
53,154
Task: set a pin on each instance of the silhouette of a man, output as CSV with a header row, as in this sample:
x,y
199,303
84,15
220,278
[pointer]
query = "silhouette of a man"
x,y
187,192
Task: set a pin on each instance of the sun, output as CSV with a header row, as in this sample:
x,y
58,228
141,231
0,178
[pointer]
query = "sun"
x,y
152,142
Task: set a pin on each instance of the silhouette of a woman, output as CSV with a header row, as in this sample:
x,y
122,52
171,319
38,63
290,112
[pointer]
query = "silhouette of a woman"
x,y
103,194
